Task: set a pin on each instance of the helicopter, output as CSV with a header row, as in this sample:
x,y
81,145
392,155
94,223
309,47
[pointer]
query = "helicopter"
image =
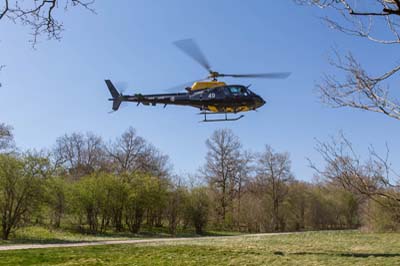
x,y
209,95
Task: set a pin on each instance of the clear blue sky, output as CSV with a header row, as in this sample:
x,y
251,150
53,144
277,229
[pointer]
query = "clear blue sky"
x,y
59,88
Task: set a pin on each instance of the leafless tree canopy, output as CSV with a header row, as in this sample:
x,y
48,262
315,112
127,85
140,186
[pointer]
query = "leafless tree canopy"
x,y
132,153
80,154
373,178
359,8
126,150
377,21
155,162
273,176
83,154
222,168
40,15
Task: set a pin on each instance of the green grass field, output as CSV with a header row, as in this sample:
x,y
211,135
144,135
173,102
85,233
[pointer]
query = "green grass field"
x,y
44,235
321,248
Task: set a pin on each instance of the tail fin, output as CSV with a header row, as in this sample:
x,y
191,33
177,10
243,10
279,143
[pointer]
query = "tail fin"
x,y
116,96
112,89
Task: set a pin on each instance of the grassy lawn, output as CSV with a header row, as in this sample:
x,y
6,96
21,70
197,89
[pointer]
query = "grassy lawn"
x,y
43,235
322,248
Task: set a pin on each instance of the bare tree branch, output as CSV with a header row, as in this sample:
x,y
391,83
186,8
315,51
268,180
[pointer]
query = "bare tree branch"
x,y
5,10
373,178
40,15
358,89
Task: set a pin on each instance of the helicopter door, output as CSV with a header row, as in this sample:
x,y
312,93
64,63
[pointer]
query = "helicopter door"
x,y
227,92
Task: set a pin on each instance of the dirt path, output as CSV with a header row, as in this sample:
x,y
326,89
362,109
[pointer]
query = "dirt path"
x,y
132,241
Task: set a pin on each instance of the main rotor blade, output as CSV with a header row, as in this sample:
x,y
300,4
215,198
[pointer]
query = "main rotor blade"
x,y
278,75
190,48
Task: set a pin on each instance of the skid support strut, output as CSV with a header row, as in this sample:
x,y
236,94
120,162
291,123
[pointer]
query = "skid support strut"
x,y
225,119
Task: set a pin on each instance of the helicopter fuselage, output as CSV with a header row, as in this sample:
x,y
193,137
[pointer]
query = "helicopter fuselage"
x,y
224,99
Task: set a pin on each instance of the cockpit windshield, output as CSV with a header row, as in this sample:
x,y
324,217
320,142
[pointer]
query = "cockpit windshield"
x,y
238,90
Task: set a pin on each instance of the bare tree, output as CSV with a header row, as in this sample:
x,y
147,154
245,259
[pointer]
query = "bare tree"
x,y
80,154
377,21
157,164
222,167
39,15
372,181
127,150
131,153
245,169
154,162
373,178
274,175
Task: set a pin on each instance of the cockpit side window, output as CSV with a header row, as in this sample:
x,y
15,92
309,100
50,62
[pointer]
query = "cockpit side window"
x,y
238,90
234,90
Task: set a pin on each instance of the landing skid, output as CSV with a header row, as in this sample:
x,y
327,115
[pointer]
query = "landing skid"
x,y
226,119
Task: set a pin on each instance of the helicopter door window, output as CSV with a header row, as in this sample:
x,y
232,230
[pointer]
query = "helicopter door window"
x,y
235,90
238,91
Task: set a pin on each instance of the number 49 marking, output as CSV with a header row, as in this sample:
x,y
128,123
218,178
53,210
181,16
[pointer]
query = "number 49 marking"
x,y
211,95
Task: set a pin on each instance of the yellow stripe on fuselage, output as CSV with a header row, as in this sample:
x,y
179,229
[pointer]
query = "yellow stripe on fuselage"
x,y
212,108
243,108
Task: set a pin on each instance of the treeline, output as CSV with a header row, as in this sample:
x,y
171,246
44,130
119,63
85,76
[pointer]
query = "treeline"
x,y
91,185
257,192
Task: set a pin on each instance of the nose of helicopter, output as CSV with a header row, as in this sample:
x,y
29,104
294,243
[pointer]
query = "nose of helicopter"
x,y
259,102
